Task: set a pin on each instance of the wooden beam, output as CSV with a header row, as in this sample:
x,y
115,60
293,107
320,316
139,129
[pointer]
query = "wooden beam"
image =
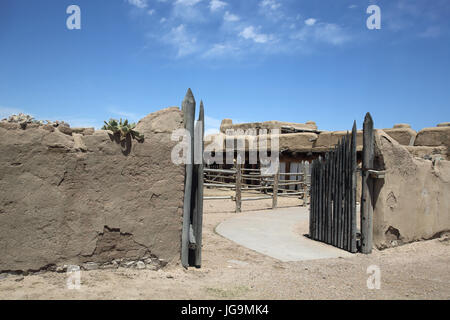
x,y
238,187
198,214
275,190
188,108
353,248
367,186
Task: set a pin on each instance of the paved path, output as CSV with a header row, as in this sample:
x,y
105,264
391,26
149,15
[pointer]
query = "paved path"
x,y
278,234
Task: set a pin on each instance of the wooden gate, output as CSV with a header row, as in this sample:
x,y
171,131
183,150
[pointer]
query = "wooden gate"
x,y
333,195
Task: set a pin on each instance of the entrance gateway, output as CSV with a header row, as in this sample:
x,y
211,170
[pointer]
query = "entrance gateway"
x,y
333,218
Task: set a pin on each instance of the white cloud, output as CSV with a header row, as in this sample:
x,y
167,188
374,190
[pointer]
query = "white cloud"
x,y
270,4
230,17
271,9
310,21
187,11
221,49
322,32
331,33
188,3
138,3
191,28
133,117
182,41
430,32
250,33
216,5
352,6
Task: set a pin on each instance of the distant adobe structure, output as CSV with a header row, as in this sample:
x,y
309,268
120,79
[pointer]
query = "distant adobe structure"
x,y
304,141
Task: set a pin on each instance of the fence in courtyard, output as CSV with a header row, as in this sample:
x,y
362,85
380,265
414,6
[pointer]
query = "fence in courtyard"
x,y
264,185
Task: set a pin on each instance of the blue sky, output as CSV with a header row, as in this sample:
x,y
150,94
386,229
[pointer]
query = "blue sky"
x,y
249,60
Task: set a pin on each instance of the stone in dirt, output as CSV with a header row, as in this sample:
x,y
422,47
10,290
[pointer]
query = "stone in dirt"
x,y
90,266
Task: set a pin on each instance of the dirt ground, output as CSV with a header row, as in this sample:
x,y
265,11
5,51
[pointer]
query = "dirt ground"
x,y
420,270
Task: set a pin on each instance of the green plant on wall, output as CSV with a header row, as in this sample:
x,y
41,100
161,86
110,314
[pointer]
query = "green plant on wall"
x,y
123,129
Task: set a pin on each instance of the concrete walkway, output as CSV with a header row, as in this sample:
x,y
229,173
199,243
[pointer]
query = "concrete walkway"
x,y
278,234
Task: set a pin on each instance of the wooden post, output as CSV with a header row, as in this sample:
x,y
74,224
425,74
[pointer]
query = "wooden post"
x,y
238,187
329,196
311,208
333,181
320,195
188,108
316,199
339,195
367,186
306,194
353,196
198,213
345,194
275,190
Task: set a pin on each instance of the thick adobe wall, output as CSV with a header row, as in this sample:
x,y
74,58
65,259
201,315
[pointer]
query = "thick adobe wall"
x,y
72,196
411,202
434,137
403,134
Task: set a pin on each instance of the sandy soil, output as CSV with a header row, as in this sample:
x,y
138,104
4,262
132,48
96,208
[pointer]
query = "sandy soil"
x,y
419,270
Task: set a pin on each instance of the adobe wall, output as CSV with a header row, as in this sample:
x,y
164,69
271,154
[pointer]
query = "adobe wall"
x,y
412,201
72,196
426,143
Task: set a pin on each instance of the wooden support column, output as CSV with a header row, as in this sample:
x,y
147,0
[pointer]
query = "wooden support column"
x,y
305,186
367,186
353,248
188,108
275,190
238,187
198,212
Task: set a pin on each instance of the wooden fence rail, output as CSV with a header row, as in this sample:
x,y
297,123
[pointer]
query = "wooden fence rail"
x,y
238,177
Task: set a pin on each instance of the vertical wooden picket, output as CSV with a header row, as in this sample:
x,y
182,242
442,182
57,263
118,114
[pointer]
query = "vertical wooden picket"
x,y
332,196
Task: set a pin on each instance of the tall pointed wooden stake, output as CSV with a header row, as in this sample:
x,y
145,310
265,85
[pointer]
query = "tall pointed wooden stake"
x,y
353,248
367,186
198,213
188,108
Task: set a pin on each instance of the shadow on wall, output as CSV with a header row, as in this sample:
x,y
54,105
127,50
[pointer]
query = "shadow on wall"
x,y
125,143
